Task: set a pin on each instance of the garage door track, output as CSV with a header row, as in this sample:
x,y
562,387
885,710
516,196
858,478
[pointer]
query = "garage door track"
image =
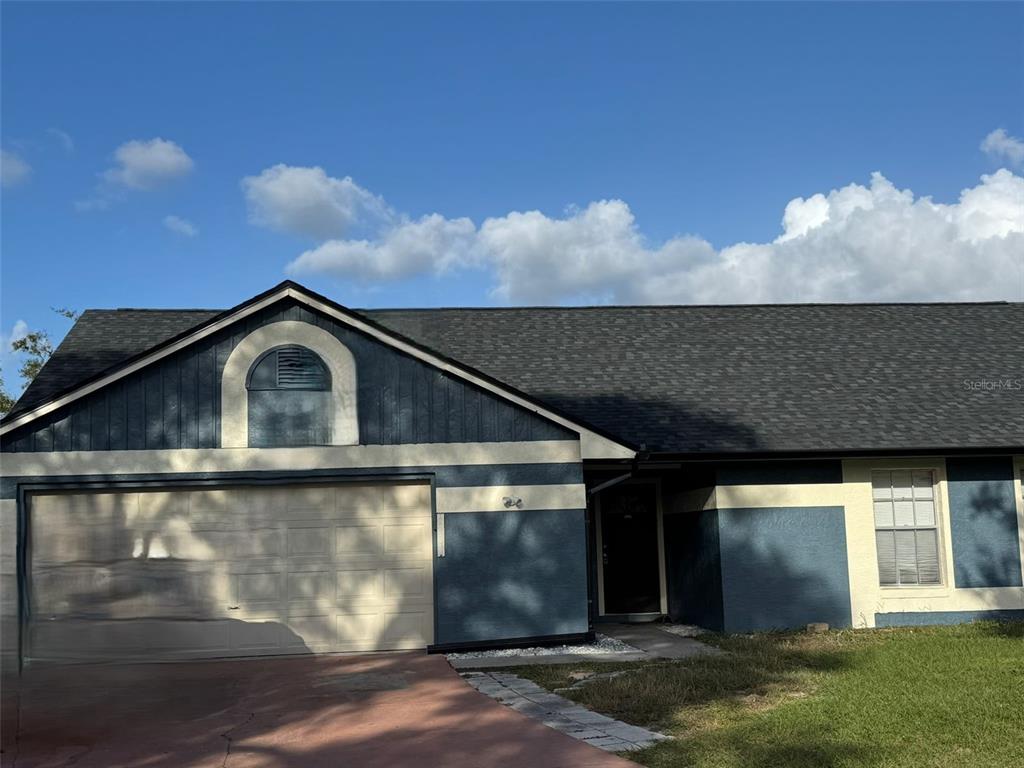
x,y
385,710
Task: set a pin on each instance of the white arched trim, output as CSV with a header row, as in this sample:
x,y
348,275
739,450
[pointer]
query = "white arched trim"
x,y
234,397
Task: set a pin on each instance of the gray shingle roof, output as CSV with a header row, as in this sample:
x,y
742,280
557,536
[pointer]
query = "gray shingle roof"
x,y
715,379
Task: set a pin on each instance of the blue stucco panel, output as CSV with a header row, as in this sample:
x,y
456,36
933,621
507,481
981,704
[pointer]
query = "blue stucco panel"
x,y
783,568
929,618
694,569
175,403
983,522
508,575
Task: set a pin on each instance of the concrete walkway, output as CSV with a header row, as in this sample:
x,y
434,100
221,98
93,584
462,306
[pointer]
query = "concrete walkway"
x,y
528,698
656,642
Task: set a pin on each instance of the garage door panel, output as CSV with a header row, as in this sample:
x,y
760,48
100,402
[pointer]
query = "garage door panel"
x,y
370,502
191,637
305,586
316,633
407,538
358,539
221,572
359,584
309,541
405,582
257,633
405,629
259,586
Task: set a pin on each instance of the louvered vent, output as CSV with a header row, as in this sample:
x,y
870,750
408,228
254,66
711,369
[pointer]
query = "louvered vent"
x,y
298,368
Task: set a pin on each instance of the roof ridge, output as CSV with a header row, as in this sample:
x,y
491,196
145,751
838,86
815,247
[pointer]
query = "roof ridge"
x,y
151,309
595,307
701,306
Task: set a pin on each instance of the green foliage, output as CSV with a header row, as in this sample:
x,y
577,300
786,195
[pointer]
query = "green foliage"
x,y
70,314
36,348
6,401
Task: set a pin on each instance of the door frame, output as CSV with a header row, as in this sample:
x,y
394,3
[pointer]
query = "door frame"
x,y
659,526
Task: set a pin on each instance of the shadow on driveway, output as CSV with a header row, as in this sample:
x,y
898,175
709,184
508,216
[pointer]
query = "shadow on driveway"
x,y
381,710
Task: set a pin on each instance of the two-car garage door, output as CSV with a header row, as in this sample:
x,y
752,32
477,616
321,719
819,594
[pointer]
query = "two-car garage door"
x,y
229,571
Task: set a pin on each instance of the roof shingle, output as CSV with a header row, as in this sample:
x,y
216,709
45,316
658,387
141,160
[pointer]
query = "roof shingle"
x,y
713,379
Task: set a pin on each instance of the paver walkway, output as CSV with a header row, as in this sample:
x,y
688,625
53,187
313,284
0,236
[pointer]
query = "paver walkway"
x,y
528,698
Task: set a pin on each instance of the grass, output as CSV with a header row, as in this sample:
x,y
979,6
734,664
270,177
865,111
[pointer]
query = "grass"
x,y
936,696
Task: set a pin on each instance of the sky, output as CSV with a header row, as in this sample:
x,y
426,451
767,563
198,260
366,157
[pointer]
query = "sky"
x,y
195,154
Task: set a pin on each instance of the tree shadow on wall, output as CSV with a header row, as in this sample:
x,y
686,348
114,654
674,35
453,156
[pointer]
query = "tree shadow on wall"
x,y
991,511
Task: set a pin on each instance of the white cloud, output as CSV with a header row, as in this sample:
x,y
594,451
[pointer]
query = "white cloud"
x,y
999,145
13,169
306,201
63,138
430,244
869,242
146,164
18,331
180,226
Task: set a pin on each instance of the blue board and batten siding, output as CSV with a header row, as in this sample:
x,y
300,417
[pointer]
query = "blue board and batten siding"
x,y
175,403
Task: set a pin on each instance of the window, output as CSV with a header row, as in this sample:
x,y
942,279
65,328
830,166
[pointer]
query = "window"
x,y
289,399
906,527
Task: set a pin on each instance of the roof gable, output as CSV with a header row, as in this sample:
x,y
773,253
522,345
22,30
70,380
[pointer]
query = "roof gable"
x,y
87,344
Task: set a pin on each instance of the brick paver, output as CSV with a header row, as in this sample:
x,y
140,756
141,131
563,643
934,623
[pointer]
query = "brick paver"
x,y
528,698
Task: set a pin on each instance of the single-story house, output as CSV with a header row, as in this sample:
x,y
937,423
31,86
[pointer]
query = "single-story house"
x,y
293,476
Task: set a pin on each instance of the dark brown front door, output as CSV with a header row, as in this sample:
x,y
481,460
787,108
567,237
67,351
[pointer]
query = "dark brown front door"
x,y
629,544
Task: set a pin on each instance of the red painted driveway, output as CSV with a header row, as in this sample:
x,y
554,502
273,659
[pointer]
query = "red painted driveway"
x,y
383,711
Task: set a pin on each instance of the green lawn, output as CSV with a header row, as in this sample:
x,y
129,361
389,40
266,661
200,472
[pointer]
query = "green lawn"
x,y
937,696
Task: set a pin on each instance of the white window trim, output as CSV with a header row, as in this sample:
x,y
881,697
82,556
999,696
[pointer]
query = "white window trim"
x,y
940,492
234,395
937,527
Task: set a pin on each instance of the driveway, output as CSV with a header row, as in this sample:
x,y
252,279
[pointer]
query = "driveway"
x,y
383,710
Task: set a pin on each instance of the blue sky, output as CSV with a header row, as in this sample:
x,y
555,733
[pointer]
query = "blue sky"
x,y
696,124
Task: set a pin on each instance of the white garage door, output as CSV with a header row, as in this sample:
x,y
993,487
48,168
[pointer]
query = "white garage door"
x,y
237,571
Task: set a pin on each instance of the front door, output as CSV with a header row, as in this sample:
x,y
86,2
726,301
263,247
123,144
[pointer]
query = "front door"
x,y
629,549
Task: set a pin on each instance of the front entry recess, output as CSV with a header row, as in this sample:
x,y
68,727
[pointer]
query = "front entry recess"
x,y
629,549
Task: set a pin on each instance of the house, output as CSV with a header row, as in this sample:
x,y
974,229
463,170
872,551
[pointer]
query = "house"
x,y
293,476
